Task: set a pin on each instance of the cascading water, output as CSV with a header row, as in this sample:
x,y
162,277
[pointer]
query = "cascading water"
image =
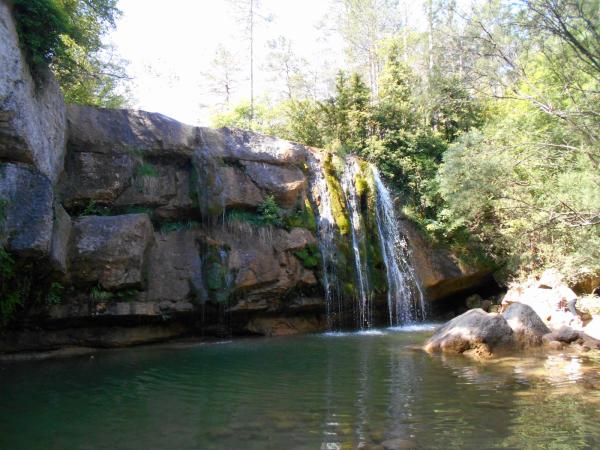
x,y
364,303
404,295
326,233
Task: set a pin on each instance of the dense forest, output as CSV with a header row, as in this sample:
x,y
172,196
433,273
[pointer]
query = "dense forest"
x,y
484,119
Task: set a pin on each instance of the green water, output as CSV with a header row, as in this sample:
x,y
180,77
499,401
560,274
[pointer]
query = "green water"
x,y
309,392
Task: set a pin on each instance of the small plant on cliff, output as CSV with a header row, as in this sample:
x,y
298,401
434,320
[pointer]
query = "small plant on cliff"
x,y
309,256
303,218
97,293
270,213
94,209
146,170
10,297
54,296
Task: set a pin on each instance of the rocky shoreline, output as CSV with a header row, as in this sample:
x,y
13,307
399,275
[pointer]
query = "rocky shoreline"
x,y
538,313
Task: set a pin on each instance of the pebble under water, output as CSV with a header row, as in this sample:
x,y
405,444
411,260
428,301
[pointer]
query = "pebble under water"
x,y
332,391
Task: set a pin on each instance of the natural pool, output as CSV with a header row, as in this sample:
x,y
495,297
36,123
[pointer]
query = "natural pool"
x,y
306,392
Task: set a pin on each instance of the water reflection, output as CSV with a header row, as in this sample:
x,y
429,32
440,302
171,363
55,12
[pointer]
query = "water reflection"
x,y
331,392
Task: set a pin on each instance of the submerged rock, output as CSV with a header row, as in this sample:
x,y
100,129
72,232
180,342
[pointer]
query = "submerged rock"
x,y
474,332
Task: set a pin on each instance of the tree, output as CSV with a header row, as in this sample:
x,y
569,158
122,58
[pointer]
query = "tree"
x,y
287,67
248,12
67,35
364,24
223,74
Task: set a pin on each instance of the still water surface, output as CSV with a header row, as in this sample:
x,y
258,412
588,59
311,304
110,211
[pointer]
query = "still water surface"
x,y
310,392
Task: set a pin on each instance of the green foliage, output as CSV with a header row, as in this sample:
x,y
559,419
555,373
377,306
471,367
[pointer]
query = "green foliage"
x,y
169,227
67,35
303,218
95,209
54,296
269,211
146,170
97,293
309,256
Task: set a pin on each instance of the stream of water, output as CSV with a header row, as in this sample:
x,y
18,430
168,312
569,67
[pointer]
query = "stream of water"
x,y
332,391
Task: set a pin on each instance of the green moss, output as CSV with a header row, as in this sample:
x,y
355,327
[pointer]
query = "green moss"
x,y
336,197
303,218
216,276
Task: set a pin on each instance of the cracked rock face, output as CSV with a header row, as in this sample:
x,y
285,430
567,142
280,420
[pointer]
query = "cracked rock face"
x,y
110,251
27,209
32,115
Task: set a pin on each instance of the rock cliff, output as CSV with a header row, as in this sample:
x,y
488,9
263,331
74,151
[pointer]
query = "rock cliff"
x,y
120,227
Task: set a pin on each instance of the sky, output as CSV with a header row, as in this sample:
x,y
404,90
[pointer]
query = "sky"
x,y
169,46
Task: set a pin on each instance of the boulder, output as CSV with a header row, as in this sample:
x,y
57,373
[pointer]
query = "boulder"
x,y
239,145
565,334
474,333
110,251
32,112
27,211
528,329
286,184
142,133
549,297
592,329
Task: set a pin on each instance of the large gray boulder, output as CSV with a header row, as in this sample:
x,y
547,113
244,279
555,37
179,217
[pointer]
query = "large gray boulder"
x,y
32,113
27,200
528,328
110,251
144,133
475,333
286,184
239,145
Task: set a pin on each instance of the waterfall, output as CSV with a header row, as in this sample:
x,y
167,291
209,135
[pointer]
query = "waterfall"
x,y
364,309
404,296
326,234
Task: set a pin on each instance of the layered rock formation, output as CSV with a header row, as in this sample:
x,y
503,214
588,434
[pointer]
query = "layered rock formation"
x,y
120,226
